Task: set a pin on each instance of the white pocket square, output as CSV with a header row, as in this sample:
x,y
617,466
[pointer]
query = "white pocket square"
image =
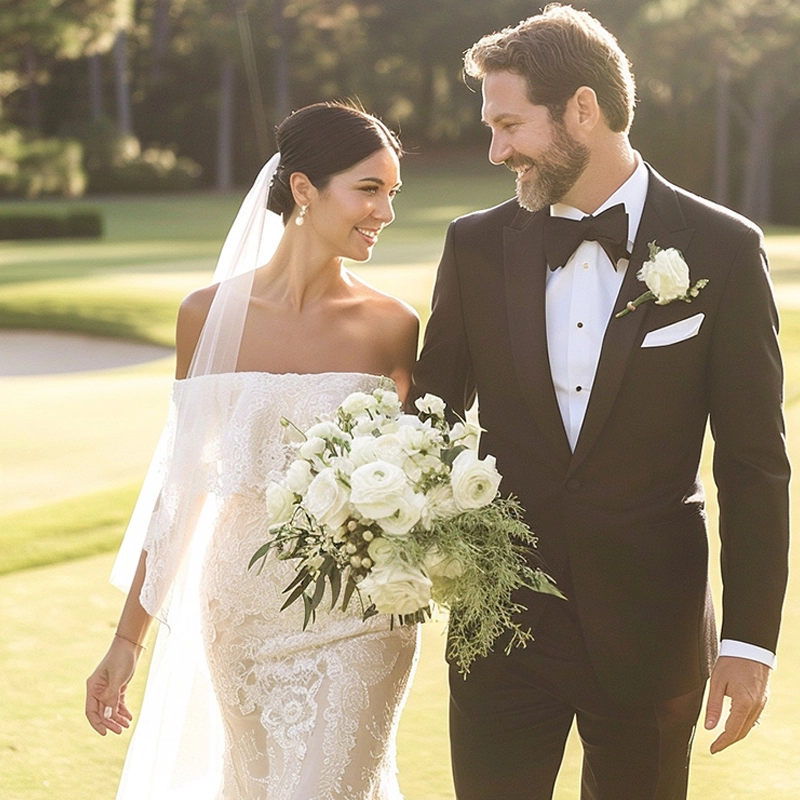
x,y
677,332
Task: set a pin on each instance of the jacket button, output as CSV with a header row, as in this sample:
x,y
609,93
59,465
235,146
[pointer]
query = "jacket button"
x,y
573,484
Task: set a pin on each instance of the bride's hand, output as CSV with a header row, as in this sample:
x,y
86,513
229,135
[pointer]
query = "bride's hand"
x,y
106,686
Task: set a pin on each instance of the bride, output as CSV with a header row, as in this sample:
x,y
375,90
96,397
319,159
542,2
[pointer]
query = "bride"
x,y
240,702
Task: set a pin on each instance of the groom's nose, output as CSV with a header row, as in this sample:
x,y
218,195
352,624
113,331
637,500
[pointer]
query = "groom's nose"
x,y
499,148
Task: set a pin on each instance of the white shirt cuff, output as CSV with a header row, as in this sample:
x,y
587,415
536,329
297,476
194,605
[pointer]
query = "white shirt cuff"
x,y
730,647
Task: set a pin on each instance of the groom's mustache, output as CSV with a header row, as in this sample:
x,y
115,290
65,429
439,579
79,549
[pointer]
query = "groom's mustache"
x,y
518,164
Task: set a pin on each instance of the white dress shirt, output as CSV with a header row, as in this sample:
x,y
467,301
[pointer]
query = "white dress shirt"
x,y
579,301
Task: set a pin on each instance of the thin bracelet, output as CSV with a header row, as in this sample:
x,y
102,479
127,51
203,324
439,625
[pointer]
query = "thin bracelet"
x,y
131,641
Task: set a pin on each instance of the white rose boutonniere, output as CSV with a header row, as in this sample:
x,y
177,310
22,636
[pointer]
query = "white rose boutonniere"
x,y
666,275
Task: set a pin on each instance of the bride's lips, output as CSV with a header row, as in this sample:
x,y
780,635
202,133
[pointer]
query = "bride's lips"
x,y
370,235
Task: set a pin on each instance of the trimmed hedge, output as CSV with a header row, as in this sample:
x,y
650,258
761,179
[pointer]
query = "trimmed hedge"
x,y
77,224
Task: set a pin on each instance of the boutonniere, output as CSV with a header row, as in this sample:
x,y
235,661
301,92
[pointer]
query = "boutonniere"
x,y
666,275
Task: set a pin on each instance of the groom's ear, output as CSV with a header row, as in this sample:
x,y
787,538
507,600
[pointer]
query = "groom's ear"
x,y
583,111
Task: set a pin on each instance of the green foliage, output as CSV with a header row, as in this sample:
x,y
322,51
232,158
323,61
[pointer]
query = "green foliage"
x,y
78,224
116,163
32,167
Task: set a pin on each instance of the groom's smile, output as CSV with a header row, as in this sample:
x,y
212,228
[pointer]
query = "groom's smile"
x,y
526,136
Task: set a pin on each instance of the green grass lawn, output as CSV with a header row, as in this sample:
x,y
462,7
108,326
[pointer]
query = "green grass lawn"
x,y
75,447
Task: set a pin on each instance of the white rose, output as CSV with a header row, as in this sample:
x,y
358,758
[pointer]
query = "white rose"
x,y
358,403
381,550
405,516
327,500
666,275
298,476
377,488
397,588
474,480
280,503
438,565
430,404
439,504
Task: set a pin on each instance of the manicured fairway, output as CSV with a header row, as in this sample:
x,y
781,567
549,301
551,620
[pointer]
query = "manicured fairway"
x,y
74,448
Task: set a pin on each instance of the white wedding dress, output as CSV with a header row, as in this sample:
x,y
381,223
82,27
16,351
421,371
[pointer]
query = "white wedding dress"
x,y
306,715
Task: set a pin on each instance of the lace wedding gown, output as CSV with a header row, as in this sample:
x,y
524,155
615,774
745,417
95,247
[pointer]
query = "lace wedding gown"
x,y
306,715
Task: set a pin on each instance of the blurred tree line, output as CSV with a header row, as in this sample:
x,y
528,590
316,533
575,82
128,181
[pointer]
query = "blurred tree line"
x,y
174,93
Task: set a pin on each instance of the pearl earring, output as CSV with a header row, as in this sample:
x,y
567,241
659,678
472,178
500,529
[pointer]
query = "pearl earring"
x,y
300,218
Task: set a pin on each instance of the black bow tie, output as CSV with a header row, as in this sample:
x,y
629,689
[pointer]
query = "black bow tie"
x,y
609,229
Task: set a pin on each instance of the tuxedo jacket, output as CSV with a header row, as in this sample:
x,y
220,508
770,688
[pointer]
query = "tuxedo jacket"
x,y
621,521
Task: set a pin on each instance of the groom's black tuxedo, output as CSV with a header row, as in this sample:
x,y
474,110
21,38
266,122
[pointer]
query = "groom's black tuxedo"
x,y
621,520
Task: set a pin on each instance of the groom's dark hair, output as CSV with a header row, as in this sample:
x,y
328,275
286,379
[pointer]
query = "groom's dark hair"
x,y
557,52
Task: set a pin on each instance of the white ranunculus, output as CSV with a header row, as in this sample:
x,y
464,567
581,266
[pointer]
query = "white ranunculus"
x,y
397,588
406,515
381,551
327,500
377,488
280,503
666,275
439,504
438,565
389,448
430,404
474,480
358,403
299,476
362,450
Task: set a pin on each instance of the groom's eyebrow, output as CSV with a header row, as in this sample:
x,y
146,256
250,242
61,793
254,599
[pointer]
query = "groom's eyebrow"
x,y
500,119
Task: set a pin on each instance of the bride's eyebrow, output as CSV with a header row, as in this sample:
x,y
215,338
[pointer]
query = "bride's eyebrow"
x,y
379,181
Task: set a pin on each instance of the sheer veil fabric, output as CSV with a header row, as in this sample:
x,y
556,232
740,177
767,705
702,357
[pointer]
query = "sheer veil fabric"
x,y
176,749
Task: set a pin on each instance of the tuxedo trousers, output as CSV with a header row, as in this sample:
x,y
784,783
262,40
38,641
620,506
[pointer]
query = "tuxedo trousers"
x,y
510,719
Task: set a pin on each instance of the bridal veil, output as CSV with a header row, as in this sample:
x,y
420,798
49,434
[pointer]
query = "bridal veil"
x,y
176,748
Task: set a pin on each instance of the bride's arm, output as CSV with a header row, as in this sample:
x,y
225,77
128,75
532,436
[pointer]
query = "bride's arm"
x,y
106,708
404,333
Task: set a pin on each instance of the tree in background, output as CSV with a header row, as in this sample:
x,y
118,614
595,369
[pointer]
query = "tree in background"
x,y
719,109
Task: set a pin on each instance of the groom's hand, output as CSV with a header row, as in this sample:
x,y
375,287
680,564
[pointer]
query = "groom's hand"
x,y
746,683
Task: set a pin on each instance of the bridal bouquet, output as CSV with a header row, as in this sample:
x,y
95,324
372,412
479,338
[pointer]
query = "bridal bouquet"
x,y
399,510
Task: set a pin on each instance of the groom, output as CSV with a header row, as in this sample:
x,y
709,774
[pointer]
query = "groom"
x,y
597,422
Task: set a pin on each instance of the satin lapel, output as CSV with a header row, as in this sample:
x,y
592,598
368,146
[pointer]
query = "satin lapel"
x,y
662,221
525,274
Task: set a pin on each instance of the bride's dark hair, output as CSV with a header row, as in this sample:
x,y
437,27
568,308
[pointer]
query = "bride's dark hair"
x,y
320,141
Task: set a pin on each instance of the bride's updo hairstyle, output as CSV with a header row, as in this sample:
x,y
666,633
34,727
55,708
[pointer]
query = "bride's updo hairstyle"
x,y
320,141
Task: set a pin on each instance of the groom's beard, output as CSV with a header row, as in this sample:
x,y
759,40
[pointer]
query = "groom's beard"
x,y
555,172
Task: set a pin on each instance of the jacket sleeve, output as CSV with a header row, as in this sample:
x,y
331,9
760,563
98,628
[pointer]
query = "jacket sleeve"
x,y
444,367
751,468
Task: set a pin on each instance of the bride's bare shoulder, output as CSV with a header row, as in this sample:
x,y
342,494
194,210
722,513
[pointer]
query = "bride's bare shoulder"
x,y
191,318
386,306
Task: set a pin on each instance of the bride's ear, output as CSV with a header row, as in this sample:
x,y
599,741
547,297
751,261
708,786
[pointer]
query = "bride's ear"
x,y
303,190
